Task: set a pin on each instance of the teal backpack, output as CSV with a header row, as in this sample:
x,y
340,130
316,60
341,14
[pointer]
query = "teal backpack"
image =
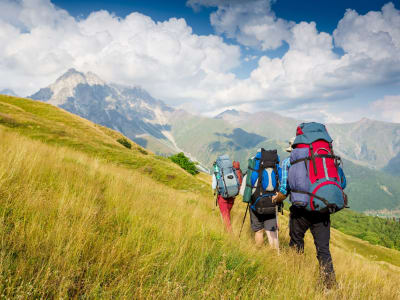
x,y
227,181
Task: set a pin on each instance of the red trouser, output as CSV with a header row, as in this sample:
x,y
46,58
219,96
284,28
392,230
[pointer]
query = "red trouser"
x,y
225,206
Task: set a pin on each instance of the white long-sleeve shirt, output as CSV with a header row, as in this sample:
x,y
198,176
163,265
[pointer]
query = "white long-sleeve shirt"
x,y
243,186
214,182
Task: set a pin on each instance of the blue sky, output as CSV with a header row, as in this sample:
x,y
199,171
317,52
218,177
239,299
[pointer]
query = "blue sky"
x,y
325,13
337,60
158,10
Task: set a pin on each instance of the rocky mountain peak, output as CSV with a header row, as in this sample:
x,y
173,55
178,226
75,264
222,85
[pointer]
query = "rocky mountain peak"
x,y
231,112
128,109
72,78
93,79
64,87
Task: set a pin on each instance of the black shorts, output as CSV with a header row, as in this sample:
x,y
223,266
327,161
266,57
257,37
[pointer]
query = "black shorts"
x,y
260,222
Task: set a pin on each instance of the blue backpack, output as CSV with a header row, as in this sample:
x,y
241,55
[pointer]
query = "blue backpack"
x,y
227,181
267,169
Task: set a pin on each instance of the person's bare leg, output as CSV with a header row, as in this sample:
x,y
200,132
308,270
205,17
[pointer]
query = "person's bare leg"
x,y
259,237
273,238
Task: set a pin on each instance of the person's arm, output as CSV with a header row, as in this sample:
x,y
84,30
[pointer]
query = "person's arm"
x,y
284,187
214,183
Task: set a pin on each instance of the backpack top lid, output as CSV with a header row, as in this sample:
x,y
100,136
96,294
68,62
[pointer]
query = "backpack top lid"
x,y
224,161
308,133
270,156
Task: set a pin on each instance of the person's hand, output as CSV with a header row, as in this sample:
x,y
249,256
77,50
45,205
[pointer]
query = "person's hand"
x,y
278,198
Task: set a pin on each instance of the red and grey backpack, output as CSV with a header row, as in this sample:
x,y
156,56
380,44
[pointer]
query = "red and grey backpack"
x,y
238,171
315,178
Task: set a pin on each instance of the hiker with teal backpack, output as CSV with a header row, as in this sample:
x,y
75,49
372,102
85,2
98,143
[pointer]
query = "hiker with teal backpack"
x,y
226,181
314,179
261,183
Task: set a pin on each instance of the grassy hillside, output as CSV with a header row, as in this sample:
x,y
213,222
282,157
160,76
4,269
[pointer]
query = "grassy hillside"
x,y
75,224
371,189
378,231
55,126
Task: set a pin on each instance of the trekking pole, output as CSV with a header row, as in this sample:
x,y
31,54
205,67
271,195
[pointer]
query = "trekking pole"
x,y
277,225
244,219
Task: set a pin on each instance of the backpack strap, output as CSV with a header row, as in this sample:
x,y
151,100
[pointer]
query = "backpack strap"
x,y
276,179
313,159
316,156
223,178
331,207
216,179
259,171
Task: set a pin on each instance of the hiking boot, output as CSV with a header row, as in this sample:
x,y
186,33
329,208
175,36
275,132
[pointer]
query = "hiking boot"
x,y
331,284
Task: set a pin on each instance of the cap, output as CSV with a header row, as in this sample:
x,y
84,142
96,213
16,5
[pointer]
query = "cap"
x,y
291,141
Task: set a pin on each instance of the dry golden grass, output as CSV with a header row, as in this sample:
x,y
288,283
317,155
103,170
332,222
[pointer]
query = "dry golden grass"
x,y
73,226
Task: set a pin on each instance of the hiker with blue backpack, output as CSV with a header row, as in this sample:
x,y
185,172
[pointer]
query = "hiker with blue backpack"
x,y
261,183
314,179
226,181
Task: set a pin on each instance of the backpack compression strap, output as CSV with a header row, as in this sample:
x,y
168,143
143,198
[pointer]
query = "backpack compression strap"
x,y
331,207
335,157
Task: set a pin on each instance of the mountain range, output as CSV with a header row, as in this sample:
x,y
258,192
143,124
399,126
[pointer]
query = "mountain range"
x,y
368,147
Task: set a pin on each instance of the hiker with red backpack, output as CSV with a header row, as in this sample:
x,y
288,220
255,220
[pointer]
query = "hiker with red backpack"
x,y
226,181
315,181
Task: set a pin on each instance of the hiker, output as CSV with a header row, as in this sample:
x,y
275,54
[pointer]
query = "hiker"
x,y
315,181
258,194
226,181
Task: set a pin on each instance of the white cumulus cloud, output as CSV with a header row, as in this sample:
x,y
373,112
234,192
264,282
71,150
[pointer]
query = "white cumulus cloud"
x,y
311,72
165,57
39,42
387,109
251,22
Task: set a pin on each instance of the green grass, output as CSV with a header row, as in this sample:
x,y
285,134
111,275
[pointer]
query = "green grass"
x,y
377,231
75,226
54,126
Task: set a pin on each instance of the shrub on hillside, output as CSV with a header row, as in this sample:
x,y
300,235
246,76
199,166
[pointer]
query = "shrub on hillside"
x,y
141,150
185,163
124,142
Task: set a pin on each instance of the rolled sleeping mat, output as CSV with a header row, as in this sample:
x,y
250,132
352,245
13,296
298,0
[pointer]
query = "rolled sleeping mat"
x,y
249,189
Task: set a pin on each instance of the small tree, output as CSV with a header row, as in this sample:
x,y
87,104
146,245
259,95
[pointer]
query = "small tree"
x,y
124,142
185,163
